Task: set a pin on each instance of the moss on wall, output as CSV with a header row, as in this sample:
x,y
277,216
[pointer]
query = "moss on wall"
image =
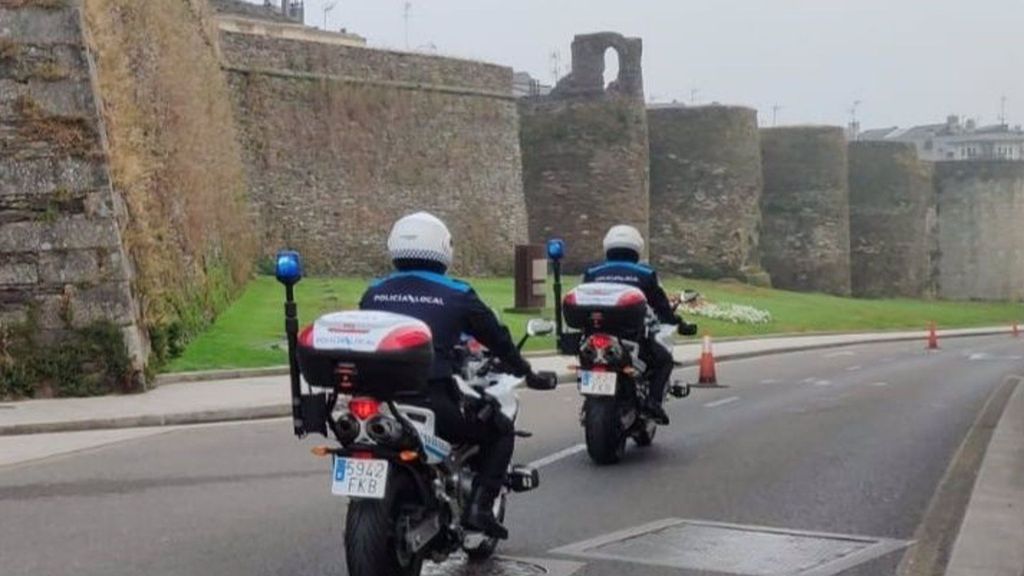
x,y
175,159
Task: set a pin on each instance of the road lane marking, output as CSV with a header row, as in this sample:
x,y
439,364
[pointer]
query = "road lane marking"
x,y
770,381
560,455
822,382
840,353
722,402
853,368
879,384
809,380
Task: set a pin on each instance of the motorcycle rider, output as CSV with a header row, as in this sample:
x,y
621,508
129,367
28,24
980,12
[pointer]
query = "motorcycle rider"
x,y
623,246
420,246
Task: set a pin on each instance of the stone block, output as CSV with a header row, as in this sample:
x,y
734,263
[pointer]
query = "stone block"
x,y
18,273
46,175
106,302
71,267
41,26
63,234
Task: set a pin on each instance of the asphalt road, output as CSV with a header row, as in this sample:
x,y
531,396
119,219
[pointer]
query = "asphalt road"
x,y
848,441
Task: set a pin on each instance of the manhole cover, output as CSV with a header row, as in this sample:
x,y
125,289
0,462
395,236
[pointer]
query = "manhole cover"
x,y
460,566
734,549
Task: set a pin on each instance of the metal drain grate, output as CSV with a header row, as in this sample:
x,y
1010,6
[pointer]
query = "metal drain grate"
x,y
734,549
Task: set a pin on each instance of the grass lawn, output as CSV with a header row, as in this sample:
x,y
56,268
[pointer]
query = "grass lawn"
x,y
251,332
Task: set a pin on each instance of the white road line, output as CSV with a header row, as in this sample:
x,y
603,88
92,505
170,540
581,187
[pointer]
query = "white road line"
x,y
879,384
722,402
809,380
822,382
840,353
560,455
770,381
853,368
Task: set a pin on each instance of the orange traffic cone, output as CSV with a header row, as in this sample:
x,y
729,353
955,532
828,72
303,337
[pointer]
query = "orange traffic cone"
x,y
1016,330
933,338
707,364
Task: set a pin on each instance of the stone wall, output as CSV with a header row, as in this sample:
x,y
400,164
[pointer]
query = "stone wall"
x,y
891,196
175,159
585,151
63,264
805,231
980,207
340,141
706,187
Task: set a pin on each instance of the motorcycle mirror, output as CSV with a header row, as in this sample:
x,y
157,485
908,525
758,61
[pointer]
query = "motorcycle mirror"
x,y
544,381
556,249
687,330
539,327
288,267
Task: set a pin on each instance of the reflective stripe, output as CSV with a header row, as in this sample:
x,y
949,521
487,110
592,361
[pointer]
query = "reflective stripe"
x,y
614,263
434,277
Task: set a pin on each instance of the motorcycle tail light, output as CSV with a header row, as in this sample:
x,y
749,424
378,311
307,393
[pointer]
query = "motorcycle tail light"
x,y
601,341
364,408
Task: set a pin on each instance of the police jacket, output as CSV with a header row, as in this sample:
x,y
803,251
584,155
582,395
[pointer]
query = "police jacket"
x,y
638,276
450,307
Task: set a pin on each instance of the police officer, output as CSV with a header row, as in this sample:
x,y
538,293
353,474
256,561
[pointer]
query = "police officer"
x,y
421,251
623,246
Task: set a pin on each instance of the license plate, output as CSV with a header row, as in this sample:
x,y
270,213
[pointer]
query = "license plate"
x,y
597,383
360,478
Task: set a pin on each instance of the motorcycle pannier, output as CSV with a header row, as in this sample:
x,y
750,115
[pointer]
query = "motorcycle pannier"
x,y
601,307
371,353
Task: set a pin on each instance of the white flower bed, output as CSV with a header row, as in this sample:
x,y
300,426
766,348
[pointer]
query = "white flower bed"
x,y
735,313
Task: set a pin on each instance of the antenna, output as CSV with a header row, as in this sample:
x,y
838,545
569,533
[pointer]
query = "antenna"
x,y
405,17
693,95
775,113
556,66
327,8
853,111
1002,110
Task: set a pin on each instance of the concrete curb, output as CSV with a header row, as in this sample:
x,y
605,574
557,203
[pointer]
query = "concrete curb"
x,y
281,410
282,370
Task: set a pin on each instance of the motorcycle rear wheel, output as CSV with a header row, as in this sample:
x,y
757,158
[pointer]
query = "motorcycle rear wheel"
x,y
371,546
602,423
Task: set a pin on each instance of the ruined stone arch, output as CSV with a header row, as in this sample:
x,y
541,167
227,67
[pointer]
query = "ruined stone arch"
x,y
588,66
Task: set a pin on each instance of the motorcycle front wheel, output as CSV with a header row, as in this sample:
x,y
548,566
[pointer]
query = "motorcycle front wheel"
x,y
372,545
602,424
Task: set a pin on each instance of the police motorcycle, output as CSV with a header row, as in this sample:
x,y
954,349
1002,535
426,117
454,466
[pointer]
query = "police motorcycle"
x,y
406,486
610,322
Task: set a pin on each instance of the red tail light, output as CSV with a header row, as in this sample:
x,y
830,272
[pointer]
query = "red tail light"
x,y
631,298
363,408
403,338
601,341
306,337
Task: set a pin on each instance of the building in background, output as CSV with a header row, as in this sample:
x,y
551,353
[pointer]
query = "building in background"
x,y
956,140
270,19
525,85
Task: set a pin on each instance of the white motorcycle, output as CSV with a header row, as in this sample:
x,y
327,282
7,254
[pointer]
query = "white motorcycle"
x,y
407,487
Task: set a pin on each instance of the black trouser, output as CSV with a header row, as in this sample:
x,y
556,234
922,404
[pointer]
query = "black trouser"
x,y
496,445
659,367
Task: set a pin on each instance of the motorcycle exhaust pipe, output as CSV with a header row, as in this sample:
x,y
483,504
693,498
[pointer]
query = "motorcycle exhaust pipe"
x,y
385,431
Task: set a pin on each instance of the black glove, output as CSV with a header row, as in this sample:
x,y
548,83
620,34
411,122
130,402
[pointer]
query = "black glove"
x,y
517,365
685,329
542,381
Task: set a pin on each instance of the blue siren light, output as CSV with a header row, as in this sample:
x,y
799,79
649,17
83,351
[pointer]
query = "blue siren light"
x,y
556,248
288,268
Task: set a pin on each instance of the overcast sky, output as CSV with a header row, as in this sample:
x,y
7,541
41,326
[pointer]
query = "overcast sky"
x,y
907,61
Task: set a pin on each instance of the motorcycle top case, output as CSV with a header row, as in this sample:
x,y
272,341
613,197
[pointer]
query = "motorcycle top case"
x,y
371,353
603,307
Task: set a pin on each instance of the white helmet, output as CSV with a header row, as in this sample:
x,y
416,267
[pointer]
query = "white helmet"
x,y
623,236
421,236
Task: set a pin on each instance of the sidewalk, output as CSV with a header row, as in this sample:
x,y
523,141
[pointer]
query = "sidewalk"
x,y
267,396
991,538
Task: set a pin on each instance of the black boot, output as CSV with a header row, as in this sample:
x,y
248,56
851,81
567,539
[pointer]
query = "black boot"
x,y
480,514
657,412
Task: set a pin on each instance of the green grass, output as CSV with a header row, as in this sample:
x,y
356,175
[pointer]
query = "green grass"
x,y
251,332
